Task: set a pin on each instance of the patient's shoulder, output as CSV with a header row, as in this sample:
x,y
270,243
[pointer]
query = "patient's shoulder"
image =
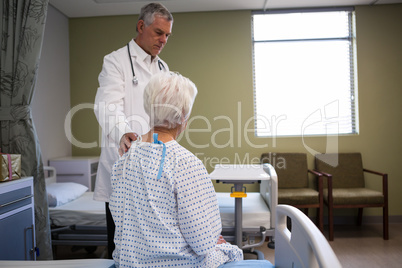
x,y
180,157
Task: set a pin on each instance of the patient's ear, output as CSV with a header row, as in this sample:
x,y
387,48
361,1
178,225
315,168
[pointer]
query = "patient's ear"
x,y
184,125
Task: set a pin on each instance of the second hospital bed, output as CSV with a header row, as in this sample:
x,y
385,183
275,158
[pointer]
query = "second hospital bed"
x,y
75,218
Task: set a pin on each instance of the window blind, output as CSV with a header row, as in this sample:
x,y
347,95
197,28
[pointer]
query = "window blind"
x,y
304,73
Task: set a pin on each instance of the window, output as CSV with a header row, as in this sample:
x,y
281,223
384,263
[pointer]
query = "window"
x,y
304,73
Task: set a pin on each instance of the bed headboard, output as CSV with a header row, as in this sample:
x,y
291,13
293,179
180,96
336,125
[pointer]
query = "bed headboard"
x,y
51,177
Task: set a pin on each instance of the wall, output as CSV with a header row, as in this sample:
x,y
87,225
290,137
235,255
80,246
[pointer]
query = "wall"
x,y
214,50
51,101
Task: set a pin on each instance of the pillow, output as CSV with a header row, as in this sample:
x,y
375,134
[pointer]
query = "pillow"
x,y
63,192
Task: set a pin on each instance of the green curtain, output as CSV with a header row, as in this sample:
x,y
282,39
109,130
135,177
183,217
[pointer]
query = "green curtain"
x,y
22,27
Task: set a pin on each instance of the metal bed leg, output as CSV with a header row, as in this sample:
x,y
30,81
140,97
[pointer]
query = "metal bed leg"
x,y
239,217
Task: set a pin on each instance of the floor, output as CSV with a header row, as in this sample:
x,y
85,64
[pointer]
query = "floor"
x,y
362,246
354,246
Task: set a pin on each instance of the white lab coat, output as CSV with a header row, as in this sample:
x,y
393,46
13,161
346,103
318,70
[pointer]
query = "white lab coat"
x,y
119,106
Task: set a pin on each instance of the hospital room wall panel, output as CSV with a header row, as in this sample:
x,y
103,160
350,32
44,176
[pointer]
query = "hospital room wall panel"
x,y
214,50
96,37
51,100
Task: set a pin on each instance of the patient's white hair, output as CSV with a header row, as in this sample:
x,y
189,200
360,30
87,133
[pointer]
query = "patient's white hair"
x,y
168,99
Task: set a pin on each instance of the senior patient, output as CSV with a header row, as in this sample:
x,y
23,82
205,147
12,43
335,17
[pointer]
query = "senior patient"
x,y
163,201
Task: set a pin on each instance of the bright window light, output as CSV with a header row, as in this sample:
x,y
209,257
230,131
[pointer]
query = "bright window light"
x,y
304,73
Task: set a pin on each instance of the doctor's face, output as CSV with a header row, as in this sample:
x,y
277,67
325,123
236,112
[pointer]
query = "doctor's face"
x,y
154,37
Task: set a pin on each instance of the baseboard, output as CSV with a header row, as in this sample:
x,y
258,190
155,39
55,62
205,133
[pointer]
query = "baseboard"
x,y
347,220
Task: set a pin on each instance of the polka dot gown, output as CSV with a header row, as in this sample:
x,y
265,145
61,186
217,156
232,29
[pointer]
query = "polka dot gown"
x,y
171,221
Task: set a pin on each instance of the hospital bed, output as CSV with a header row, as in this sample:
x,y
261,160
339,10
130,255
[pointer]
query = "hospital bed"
x,y
304,246
247,216
82,222
75,218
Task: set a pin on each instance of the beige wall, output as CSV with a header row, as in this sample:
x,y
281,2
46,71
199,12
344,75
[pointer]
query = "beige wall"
x,y
51,101
214,50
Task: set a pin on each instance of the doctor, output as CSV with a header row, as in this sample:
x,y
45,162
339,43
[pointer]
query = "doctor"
x,y
119,105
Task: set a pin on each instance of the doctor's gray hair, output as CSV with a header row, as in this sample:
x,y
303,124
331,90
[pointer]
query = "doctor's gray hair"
x,y
149,12
168,99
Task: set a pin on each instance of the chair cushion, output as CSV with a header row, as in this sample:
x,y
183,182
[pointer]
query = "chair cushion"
x,y
354,196
346,169
299,196
291,168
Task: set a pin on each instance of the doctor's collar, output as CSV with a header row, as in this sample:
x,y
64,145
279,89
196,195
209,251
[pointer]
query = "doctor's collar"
x,y
142,54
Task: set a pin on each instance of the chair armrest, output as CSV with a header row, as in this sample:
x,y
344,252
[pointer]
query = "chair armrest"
x,y
329,178
384,181
319,184
318,174
324,174
321,174
375,172
329,184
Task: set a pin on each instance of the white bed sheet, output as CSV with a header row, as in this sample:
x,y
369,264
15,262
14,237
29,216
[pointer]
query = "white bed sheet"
x,y
255,211
86,211
81,211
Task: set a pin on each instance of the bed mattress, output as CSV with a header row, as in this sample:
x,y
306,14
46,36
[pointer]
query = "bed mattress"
x,y
255,211
86,211
81,211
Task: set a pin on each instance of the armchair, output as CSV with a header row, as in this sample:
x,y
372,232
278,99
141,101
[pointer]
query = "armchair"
x,y
345,187
293,182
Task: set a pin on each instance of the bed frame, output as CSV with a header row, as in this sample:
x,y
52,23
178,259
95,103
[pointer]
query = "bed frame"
x,y
260,207
87,236
303,246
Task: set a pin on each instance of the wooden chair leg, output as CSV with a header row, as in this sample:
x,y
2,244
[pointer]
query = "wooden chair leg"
x,y
319,219
360,217
331,223
305,211
385,222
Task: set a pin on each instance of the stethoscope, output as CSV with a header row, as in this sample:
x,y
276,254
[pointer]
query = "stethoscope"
x,y
135,79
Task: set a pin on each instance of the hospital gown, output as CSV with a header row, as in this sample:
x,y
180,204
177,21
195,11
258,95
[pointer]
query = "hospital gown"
x,y
170,220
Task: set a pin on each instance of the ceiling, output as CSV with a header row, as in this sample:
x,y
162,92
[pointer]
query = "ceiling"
x,y
93,8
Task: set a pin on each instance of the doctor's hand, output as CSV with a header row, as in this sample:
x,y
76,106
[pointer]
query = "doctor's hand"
x,y
125,142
